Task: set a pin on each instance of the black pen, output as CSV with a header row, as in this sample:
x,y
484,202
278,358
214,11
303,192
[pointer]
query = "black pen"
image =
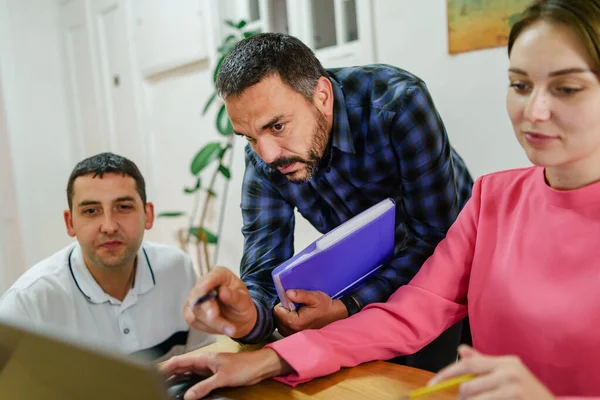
x,y
212,295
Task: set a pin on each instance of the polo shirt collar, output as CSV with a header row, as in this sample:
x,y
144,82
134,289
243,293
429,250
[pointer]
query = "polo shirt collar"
x,y
89,288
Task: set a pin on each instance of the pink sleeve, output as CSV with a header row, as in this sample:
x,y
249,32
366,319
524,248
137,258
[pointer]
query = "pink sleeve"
x,y
578,398
412,317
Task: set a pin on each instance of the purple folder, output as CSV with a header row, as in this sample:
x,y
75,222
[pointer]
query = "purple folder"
x,y
342,259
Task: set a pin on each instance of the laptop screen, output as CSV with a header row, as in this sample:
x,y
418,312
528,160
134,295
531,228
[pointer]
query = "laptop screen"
x,y
43,366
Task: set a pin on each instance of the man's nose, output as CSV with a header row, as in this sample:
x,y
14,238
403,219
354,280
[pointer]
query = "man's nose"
x,y
267,149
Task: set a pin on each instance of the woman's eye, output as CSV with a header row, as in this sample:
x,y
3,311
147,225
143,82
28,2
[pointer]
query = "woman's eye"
x,y
568,90
519,87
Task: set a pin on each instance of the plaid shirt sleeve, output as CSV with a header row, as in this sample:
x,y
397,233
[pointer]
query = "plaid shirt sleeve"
x,y
269,240
428,202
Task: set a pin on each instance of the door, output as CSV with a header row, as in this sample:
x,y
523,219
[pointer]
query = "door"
x,y
117,85
88,128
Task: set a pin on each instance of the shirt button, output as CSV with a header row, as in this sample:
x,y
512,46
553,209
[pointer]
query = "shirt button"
x,y
126,331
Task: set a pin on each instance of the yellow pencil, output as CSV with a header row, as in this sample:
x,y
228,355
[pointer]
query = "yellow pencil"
x,y
427,390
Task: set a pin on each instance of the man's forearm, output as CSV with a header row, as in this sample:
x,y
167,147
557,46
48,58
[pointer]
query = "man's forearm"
x,y
272,365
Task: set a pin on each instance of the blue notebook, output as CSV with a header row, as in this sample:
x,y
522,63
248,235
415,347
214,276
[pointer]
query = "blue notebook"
x,y
342,259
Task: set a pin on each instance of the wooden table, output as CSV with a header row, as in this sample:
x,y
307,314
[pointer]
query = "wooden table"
x,y
374,380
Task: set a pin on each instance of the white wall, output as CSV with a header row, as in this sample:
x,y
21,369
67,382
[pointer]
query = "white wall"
x,y
468,89
6,166
36,123
11,245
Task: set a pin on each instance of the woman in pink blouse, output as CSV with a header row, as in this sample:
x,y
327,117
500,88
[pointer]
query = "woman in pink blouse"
x,y
522,259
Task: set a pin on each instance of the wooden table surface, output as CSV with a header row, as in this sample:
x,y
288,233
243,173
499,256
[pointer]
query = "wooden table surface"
x,y
374,380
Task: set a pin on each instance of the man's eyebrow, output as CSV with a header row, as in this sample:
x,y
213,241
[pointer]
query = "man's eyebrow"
x,y
84,203
124,198
273,121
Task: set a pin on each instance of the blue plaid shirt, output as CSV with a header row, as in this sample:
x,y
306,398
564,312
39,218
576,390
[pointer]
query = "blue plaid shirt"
x,y
387,140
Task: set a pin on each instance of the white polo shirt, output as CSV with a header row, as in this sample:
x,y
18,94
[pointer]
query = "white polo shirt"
x,y
60,293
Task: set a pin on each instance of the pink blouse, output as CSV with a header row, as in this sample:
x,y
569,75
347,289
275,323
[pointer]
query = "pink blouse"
x,y
522,259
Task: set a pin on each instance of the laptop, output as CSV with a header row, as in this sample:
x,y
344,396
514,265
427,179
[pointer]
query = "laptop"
x,y
45,366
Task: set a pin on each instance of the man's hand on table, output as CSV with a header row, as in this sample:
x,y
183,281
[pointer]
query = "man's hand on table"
x,y
226,369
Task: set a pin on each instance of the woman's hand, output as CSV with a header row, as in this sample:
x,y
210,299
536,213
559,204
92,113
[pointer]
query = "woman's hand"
x,y
497,378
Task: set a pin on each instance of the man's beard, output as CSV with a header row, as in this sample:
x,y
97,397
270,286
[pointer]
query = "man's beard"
x,y
115,261
315,153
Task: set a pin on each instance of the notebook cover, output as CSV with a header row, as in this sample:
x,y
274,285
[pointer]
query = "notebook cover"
x,y
344,265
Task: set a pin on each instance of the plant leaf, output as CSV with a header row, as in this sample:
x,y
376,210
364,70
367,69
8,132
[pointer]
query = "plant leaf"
x,y
223,123
216,72
170,214
225,171
203,234
225,49
230,23
223,151
211,100
247,34
229,39
205,157
194,189
241,24
211,237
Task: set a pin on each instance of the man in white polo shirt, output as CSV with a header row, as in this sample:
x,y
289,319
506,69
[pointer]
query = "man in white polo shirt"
x,y
110,287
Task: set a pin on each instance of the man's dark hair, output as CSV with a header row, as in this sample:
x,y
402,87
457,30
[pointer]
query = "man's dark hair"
x,y
265,55
106,163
